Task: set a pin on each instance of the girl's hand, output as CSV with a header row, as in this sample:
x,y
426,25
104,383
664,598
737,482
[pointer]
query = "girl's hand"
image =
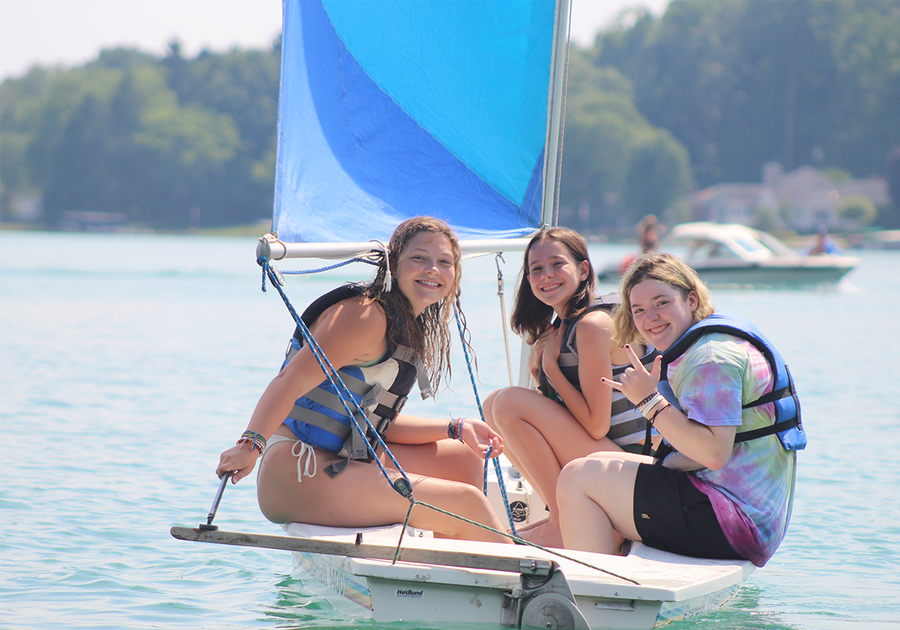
x,y
637,383
479,437
537,352
550,356
239,459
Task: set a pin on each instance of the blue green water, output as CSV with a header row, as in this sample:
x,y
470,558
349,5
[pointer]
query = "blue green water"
x,y
128,363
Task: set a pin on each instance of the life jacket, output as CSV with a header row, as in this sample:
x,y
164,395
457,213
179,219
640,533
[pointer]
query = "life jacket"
x,y
381,389
568,359
788,425
625,419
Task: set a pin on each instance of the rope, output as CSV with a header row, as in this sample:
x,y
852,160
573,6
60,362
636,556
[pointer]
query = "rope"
x,y
335,379
403,486
330,267
497,468
278,273
503,319
522,541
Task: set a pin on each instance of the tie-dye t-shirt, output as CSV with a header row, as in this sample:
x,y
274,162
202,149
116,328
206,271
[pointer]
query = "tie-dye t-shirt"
x,y
752,493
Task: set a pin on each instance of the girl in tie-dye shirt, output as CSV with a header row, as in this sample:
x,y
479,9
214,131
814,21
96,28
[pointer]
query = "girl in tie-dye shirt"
x,y
710,498
751,494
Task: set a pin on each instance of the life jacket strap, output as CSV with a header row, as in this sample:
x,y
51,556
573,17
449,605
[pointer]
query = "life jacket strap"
x,y
778,427
772,396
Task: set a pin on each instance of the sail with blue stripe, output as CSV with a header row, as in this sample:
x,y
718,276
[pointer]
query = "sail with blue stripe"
x,y
395,108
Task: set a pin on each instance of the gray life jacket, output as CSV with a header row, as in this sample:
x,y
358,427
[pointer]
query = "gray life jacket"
x,y
380,389
627,425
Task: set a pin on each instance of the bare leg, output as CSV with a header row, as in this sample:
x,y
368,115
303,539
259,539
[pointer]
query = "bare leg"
x,y
445,459
596,501
360,496
541,436
510,454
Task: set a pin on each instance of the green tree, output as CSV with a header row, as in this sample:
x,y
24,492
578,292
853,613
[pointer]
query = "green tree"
x,y
857,210
616,166
658,175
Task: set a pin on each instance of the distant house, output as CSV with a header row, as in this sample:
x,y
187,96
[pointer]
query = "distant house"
x,y
90,221
802,200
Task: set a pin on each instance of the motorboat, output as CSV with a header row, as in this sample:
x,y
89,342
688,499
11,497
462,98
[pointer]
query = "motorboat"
x,y
733,254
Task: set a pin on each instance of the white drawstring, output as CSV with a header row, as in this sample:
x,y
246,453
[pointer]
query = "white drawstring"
x,y
310,452
305,449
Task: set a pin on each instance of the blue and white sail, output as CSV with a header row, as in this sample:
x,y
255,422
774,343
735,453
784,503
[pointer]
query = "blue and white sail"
x,y
395,108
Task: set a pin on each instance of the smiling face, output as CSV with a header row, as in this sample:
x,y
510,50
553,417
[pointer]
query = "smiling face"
x,y
554,275
426,270
661,312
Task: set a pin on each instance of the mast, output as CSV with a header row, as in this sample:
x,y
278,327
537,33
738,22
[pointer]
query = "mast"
x,y
556,110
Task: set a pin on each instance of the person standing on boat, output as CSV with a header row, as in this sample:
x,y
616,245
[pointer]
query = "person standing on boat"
x,y
544,430
379,335
724,402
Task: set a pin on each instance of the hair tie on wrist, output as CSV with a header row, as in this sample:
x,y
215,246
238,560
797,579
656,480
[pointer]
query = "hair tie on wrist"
x,y
663,408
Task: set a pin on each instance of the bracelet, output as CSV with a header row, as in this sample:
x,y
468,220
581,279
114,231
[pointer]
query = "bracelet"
x,y
653,418
256,441
455,429
647,399
650,406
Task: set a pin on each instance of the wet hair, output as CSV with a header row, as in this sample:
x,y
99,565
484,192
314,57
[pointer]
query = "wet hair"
x,y
664,268
531,316
428,335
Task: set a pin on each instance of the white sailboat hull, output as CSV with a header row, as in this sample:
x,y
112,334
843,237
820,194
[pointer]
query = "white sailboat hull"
x,y
669,587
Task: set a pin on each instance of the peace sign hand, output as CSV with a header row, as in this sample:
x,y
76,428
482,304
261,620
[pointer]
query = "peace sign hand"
x,y
637,383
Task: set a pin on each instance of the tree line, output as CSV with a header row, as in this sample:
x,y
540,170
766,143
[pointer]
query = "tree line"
x,y
657,107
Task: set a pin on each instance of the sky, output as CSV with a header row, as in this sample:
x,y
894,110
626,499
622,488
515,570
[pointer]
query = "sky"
x,y
72,32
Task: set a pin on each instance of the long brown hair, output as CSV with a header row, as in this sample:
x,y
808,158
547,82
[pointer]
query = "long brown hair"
x,y
429,334
664,268
531,316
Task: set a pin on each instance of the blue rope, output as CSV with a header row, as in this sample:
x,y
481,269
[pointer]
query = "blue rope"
x,y
306,271
330,267
497,468
334,378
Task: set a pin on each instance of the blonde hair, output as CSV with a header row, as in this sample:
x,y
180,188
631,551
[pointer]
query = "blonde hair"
x,y
664,268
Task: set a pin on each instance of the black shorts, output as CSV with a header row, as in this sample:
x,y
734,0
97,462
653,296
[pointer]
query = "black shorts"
x,y
672,515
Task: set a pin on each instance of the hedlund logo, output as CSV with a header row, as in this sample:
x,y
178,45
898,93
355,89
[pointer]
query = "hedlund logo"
x,y
409,593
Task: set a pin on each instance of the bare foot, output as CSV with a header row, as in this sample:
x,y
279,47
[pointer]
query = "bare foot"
x,y
545,534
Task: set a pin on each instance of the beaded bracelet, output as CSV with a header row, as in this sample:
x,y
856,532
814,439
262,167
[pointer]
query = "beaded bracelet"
x,y
646,400
255,440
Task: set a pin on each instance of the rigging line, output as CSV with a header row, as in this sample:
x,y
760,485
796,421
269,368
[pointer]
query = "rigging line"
x,y
338,384
497,468
500,294
522,541
403,531
329,267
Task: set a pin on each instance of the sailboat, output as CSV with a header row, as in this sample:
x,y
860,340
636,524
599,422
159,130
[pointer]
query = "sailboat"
x,y
396,108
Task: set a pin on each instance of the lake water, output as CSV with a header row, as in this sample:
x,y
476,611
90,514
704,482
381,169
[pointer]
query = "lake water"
x,y
129,362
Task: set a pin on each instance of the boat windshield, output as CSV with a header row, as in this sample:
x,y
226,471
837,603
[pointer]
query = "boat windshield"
x,y
752,246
